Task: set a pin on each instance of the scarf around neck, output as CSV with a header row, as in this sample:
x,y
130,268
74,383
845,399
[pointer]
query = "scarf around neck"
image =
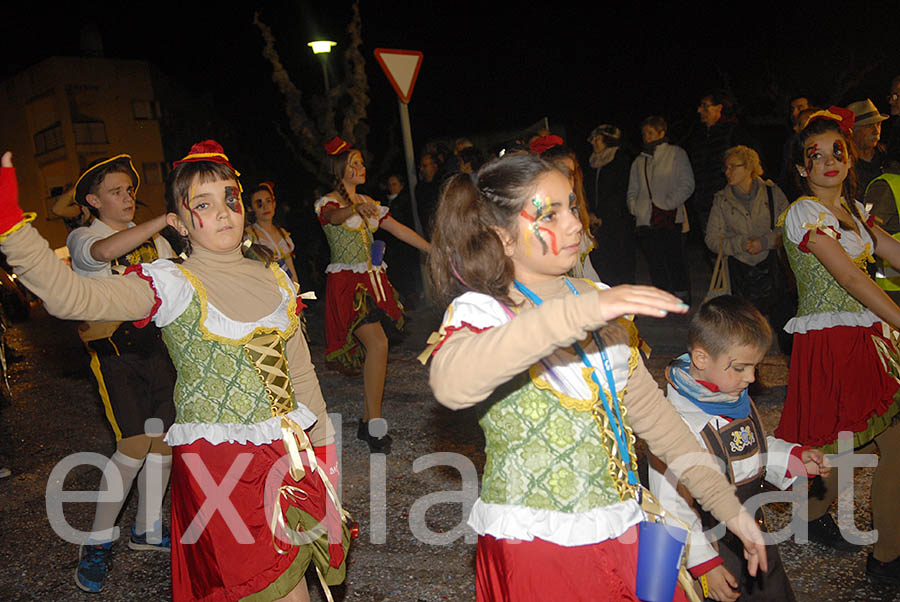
x,y
715,403
650,148
604,157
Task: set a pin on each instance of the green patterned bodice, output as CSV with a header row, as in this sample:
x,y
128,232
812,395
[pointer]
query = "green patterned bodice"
x,y
542,455
348,246
817,290
216,380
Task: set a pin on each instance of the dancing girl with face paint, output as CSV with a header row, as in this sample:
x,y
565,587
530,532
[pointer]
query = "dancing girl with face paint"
x,y
254,468
266,232
358,296
845,362
555,362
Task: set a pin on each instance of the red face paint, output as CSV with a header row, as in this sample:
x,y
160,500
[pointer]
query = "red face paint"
x,y
537,232
233,200
840,151
192,214
810,153
552,241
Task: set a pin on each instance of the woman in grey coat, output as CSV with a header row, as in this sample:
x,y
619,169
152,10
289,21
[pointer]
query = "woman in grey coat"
x,y
742,226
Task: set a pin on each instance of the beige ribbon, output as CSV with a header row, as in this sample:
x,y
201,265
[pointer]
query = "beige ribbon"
x,y
819,227
375,279
888,350
266,353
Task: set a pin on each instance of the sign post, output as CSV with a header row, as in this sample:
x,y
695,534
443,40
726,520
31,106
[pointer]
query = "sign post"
x,y
402,69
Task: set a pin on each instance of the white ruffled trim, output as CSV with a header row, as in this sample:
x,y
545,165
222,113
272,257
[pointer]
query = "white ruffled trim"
x,y
260,433
806,210
172,288
355,221
506,521
821,321
359,268
175,292
220,324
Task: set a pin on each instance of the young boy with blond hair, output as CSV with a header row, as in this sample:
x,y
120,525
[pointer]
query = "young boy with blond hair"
x,y
727,339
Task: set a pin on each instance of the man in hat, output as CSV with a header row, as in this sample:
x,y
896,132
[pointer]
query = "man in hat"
x,y
866,134
132,367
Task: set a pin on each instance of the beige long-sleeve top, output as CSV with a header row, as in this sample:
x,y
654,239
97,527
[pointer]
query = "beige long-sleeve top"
x,y
470,365
242,289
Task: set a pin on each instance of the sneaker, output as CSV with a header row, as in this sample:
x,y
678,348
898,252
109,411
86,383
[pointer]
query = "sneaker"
x,y
94,561
825,531
140,543
883,573
5,472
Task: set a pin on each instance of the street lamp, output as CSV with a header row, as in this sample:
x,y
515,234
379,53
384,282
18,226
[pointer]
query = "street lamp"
x,y
323,47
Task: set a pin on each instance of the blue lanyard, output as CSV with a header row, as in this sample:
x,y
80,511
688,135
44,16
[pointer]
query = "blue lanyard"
x,y
613,413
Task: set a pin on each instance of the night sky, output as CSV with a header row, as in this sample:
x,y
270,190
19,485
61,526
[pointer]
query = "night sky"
x,y
491,66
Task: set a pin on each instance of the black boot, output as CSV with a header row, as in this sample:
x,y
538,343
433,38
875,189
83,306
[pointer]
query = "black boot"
x,y
377,445
825,531
883,573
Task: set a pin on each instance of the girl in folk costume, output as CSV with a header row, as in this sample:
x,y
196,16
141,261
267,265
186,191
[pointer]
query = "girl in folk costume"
x,y
265,232
253,446
556,362
844,366
359,296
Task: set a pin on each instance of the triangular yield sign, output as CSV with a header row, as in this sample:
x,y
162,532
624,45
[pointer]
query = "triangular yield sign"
x,y
401,68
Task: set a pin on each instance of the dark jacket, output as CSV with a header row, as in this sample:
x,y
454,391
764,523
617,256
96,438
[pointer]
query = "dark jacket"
x,y
706,148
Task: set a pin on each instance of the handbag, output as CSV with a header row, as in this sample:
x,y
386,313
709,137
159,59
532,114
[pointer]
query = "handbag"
x,y
720,283
663,219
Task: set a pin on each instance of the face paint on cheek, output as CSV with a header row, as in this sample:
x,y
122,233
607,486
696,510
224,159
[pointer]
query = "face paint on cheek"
x,y
840,151
233,200
537,232
810,153
730,361
192,214
552,241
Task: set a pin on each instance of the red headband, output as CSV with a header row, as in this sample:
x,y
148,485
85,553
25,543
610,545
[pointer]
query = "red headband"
x,y
270,186
844,117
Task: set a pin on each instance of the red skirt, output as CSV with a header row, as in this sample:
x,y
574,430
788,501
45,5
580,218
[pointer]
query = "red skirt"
x,y
351,299
233,556
507,570
837,383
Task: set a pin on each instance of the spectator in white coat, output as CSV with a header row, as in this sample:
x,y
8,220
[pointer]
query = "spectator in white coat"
x,y
661,180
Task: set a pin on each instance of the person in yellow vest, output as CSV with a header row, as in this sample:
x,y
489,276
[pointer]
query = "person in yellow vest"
x,y
883,193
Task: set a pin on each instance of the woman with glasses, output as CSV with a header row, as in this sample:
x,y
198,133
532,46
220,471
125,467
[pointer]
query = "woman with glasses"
x,y
742,226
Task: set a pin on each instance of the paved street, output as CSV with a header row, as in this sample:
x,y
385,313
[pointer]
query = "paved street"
x,y
55,412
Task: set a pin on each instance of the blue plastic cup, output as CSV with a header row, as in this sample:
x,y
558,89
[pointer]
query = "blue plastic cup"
x,y
378,248
659,558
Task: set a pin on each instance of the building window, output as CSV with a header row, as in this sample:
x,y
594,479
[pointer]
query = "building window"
x,y
154,172
145,109
90,132
49,139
